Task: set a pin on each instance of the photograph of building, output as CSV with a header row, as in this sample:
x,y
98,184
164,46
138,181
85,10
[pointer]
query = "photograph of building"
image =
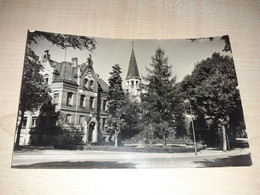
x,y
130,96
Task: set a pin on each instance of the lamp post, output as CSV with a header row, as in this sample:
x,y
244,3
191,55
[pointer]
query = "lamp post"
x,y
193,130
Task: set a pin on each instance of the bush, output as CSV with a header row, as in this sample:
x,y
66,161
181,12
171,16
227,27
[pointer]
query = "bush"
x,y
42,138
68,140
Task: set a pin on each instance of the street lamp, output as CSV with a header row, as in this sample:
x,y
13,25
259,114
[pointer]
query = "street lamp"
x,y
193,130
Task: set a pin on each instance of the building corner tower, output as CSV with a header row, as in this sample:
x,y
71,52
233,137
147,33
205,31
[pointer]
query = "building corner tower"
x,y
133,78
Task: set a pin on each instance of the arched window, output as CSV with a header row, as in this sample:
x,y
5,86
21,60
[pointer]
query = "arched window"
x,y
85,82
70,99
82,101
91,102
91,84
46,78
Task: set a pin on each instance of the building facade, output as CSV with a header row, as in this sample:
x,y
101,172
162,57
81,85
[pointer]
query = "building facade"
x,y
80,96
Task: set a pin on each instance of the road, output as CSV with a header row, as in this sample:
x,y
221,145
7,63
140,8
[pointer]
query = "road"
x,y
102,159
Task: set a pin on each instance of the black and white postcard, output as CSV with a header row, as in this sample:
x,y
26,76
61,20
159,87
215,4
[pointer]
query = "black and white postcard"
x,y
90,102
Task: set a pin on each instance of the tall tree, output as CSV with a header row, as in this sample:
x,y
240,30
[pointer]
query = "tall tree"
x,y
212,88
131,116
116,103
159,99
33,91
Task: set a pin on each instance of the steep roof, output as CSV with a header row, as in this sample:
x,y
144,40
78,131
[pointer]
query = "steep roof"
x,y
133,72
64,72
53,63
104,86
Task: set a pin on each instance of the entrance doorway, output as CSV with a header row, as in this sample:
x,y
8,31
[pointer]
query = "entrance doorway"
x,y
90,131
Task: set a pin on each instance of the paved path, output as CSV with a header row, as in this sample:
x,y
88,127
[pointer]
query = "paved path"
x,y
104,159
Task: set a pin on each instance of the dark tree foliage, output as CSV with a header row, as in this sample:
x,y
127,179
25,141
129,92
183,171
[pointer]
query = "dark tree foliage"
x,y
227,47
212,90
33,90
160,102
46,128
180,123
116,102
131,117
63,40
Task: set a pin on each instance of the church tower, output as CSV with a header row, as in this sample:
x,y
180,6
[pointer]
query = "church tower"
x,y
133,78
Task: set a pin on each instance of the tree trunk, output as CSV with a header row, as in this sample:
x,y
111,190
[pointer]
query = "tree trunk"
x,y
165,141
116,134
19,132
224,138
116,140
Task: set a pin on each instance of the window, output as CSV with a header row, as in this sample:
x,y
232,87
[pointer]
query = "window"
x,y
46,78
136,82
34,121
91,102
56,98
132,83
69,99
81,120
91,84
104,104
24,122
85,83
104,122
68,118
82,101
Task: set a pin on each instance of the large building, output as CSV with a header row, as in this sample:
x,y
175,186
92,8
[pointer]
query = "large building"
x,y
79,94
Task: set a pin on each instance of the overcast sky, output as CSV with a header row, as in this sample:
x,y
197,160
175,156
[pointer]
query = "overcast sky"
x,y
182,54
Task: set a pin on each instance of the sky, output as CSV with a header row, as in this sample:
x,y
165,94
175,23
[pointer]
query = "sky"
x,y
182,54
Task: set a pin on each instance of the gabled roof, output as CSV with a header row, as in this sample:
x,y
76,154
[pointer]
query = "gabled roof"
x,y
104,86
133,72
64,72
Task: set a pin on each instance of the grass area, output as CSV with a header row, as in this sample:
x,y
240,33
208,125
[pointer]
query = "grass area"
x,y
152,149
144,148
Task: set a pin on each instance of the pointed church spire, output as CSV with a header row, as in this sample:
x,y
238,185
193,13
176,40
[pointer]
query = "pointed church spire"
x,y
133,72
133,78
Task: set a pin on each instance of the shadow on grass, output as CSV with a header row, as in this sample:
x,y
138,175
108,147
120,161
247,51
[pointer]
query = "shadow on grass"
x,y
233,161
77,165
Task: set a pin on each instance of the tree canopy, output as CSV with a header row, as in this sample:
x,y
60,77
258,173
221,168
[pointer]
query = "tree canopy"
x,y
227,47
34,91
212,90
63,40
131,116
160,100
116,103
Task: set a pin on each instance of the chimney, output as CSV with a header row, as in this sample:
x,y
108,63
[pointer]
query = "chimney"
x,y
74,62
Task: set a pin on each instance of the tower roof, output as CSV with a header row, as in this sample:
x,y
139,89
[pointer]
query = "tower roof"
x,y
133,72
